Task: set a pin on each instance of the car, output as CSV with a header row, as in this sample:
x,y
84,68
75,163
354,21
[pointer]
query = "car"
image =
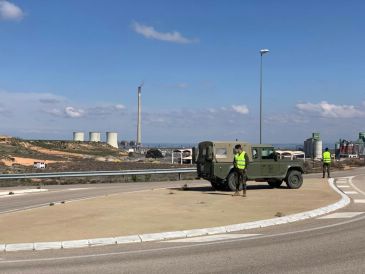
x,y
214,160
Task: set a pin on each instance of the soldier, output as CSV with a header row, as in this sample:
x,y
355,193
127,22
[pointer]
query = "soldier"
x,y
326,158
240,163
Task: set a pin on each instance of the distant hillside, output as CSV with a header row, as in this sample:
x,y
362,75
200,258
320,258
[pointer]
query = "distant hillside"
x,y
14,151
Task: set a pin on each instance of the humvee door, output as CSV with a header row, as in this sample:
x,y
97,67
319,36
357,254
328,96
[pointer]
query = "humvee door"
x,y
270,167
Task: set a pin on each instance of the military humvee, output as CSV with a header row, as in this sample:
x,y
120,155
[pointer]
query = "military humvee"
x,y
215,163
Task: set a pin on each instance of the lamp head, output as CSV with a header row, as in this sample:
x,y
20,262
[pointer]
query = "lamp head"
x,y
263,51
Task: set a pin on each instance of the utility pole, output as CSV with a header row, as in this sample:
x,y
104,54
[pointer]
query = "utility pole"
x,y
139,118
262,52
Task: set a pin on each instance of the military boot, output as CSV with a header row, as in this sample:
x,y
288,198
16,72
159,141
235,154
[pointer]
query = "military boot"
x,y
236,193
244,193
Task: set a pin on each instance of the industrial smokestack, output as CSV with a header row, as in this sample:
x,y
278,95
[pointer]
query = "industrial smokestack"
x,y
139,120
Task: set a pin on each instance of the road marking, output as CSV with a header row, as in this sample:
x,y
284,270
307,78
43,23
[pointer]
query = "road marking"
x,y
339,215
211,238
355,187
141,251
351,192
21,192
80,188
359,201
13,195
342,186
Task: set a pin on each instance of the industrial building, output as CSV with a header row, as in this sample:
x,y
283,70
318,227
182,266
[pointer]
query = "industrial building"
x,y
313,147
78,136
94,136
111,137
351,149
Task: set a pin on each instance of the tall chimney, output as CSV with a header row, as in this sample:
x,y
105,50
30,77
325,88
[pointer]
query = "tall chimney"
x,y
139,133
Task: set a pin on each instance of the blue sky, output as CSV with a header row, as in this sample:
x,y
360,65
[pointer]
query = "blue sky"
x,y
75,66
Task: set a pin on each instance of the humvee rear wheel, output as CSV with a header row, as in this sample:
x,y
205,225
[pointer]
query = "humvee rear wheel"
x,y
294,179
231,181
274,183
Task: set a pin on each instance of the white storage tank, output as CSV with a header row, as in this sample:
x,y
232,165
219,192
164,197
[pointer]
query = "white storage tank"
x,y
317,149
94,136
112,139
78,136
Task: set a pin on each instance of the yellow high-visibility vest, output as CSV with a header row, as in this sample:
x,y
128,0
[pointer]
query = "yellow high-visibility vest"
x,y
240,161
326,157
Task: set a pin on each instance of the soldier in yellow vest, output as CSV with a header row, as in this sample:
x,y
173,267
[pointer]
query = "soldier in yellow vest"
x,y
240,163
326,158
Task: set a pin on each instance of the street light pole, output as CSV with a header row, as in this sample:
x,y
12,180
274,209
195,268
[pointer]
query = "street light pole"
x,y
262,52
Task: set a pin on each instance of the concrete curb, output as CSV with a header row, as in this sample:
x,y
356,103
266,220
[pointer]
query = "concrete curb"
x,y
151,237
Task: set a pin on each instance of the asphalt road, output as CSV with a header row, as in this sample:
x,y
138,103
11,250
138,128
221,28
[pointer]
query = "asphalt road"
x,y
333,245
58,193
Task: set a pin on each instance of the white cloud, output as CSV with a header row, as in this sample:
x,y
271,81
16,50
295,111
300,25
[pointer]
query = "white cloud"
x,y
151,33
73,112
242,109
46,115
285,118
54,111
182,85
119,107
10,12
327,110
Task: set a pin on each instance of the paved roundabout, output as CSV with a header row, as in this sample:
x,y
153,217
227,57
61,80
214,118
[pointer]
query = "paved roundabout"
x,y
331,243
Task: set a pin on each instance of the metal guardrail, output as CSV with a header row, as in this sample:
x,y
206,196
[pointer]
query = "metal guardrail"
x,y
97,173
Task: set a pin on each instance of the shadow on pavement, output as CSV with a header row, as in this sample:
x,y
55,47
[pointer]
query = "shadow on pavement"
x,y
211,190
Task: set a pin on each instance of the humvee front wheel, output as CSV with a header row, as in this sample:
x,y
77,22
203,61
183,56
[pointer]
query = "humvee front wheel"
x,y
294,179
232,180
274,183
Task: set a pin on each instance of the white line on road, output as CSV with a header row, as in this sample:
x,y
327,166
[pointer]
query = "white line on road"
x,y
339,215
355,187
80,188
342,186
351,192
141,251
211,238
359,201
13,195
22,191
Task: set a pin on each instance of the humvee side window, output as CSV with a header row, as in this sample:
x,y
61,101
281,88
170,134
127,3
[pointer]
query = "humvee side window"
x,y
220,153
267,153
254,153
